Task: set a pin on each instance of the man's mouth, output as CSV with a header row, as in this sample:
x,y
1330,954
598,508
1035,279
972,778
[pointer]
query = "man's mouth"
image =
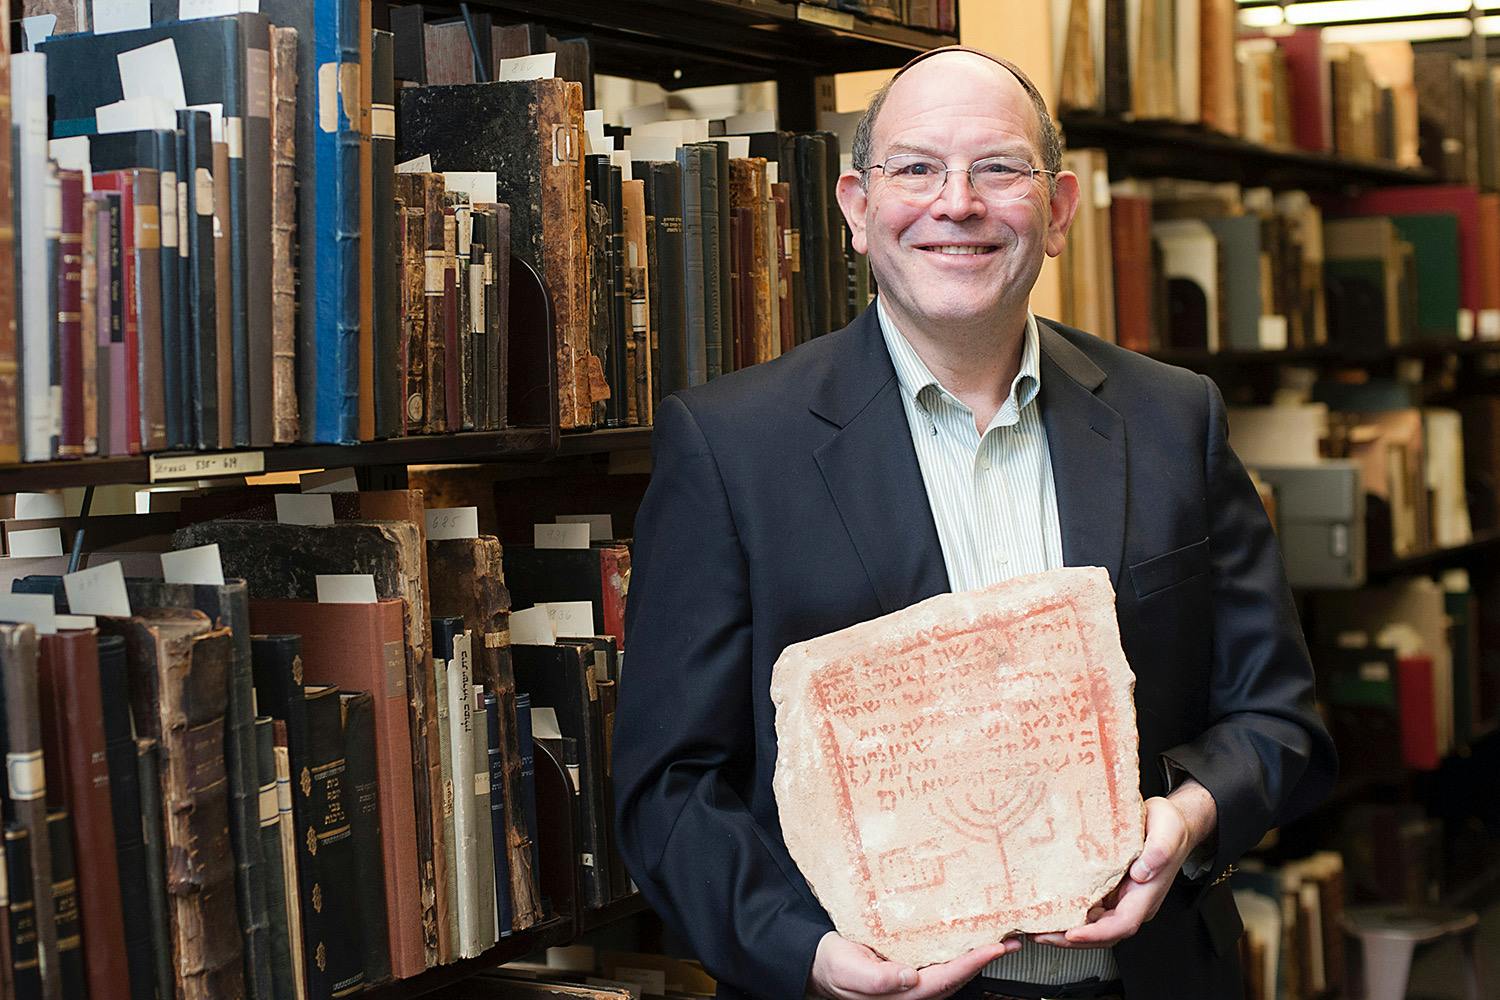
x,y
959,248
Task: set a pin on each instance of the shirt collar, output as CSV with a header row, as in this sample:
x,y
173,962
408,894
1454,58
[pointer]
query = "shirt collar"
x,y
918,382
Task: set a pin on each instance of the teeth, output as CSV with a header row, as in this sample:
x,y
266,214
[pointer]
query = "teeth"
x,y
958,249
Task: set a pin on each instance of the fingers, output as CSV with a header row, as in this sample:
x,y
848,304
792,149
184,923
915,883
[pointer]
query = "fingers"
x,y
1166,840
1136,905
849,970
937,981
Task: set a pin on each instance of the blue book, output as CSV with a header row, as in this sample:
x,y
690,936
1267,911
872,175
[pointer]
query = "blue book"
x,y
528,776
506,908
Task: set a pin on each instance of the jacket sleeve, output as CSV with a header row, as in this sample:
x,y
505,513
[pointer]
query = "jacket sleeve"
x,y
684,740
1266,756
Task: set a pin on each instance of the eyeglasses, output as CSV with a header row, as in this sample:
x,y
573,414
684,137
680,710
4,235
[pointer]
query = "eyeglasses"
x,y
996,179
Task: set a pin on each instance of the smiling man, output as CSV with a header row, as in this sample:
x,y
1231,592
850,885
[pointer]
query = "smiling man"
x,y
947,439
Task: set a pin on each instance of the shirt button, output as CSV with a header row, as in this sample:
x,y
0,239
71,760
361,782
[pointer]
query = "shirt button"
x,y
984,464
1001,558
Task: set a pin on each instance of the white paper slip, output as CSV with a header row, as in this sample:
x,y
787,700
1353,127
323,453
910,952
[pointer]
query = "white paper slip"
x,y
98,590
621,158
121,15
739,145
152,71
304,508
34,506
751,121
137,114
601,526
37,609
538,67
329,481
215,119
479,185
200,564
643,113
654,147
773,172
71,153
544,724
571,619
560,536
34,542
76,621
593,130
532,627
453,522
200,467
346,588
37,29
192,10
417,165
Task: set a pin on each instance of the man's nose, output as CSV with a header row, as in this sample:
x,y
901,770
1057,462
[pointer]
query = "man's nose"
x,y
957,199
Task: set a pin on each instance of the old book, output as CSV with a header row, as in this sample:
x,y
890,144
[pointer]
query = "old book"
x,y
28,102
224,322
199,304
542,180
669,352
838,263
361,45
637,290
278,938
127,353
69,292
73,734
467,580
445,632
486,932
26,788
286,824
227,606
498,815
497,316
1068,821
598,574
748,192
361,788
148,780
693,161
420,194
600,320
717,327
89,317
448,56
1130,232
813,197
65,904
7,977
125,810
1074,41
387,252
1364,282
442,234
342,953
362,647
284,561
285,419
10,375
781,198
605,185
180,668
24,946
460,693
1218,96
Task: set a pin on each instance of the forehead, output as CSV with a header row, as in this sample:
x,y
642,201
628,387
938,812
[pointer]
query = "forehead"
x,y
957,100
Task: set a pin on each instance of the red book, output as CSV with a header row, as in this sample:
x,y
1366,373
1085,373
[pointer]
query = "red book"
x,y
124,374
1418,701
1312,104
78,776
1130,225
70,313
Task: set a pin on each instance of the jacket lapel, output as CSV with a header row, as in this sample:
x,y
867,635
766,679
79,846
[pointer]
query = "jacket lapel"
x,y
870,469
1086,438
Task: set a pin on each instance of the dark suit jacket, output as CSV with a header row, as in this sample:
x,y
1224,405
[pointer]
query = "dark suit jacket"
x,y
786,502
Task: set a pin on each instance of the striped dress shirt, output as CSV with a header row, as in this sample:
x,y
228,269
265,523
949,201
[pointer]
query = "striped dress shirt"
x,y
994,503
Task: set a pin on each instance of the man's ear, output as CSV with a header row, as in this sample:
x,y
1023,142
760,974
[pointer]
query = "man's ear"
x,y
853,200
1065,197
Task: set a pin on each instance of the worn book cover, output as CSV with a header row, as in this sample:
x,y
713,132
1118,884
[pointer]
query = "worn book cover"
x,y
386,250
337,895
362,801
200,361
445,632
24,946
284,68
65,904
668,277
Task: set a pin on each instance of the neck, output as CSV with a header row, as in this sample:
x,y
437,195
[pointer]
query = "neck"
x,y
976,362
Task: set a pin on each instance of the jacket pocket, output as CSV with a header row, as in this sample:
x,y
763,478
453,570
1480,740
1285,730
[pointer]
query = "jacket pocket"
x,y
1169,569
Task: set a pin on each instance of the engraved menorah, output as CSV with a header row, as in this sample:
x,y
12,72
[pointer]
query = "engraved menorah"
x,y
991,817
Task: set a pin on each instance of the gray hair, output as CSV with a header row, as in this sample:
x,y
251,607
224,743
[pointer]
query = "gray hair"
x,y
1048,134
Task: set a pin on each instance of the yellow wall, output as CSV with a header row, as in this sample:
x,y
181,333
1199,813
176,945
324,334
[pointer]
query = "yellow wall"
x,y
1017,29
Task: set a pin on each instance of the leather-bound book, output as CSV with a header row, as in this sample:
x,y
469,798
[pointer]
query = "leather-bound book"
x,y
1130,226
560,677
362,647
606,184
725,297
410,48
125,809
70,938
467,580
668,275
10,371
437,297
180,668
442,343
69,313
599,574
282,979
1116,59
224,314
73,734
25,942
781,203
279,692
148,780
200,364
362,801
638,295
387,252
226,605
26,786
280,560
812,197
412,279
497,316
742,254
693,161
600,328
7,973
338,892
480,127
747,192
285,422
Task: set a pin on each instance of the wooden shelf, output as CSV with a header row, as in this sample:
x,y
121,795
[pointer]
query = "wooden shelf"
x,y
549,934
605,915
1326,355
1437,559
1170,149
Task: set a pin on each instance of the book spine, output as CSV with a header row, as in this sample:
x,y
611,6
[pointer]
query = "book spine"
x,y
254,59
287,826
171,202
199,292
527,750
282,974
10,372
29,108
224,302
388,382
448,888
362,795
25,942
190,402
150,356
713,317
413,318
52,277
695,356
7,970
461,736
361,42
337,42
148,765
65,906
434,264
341,950
284,234
495,755
70,332
478,788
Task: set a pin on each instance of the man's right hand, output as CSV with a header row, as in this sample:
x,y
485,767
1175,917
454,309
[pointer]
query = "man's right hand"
x,y
844,970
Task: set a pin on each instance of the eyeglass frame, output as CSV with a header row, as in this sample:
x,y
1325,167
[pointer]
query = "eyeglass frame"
x,y
1031,175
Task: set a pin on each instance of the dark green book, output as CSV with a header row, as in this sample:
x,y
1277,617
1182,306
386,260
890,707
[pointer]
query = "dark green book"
x,y
25,955
65,906
362,801
283,979
339,873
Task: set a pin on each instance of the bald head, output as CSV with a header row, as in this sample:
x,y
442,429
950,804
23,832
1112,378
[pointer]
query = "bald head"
x,y
961,66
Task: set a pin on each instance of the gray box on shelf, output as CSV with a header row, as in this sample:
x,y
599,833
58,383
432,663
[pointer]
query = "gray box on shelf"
x,y
1320,513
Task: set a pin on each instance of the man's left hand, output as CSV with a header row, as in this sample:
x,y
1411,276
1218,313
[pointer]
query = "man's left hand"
x,y
1174,827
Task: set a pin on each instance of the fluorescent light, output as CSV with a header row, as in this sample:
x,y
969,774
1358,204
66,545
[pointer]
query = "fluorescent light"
x,y
1325,11
1488,25
1261,17
1400,31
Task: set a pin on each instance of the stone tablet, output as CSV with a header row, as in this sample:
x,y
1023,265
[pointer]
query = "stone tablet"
x,y
964,768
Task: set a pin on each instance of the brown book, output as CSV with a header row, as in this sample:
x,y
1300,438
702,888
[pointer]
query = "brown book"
x,y
1130,221
742,287
27,785
1488,320
580,375
638,287
150,357
179,690
747,189
283,560
284,415
468,581
1218,94
69,331
442,414
362,647
1079,89
434,269
73,740
10,370
781,197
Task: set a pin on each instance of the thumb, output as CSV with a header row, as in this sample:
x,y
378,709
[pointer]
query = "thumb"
x,y
1164,834
855,968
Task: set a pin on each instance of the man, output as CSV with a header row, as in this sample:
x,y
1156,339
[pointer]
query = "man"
x,y
947,439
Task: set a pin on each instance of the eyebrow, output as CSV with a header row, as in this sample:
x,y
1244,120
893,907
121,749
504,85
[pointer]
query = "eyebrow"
x,y
1019,150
